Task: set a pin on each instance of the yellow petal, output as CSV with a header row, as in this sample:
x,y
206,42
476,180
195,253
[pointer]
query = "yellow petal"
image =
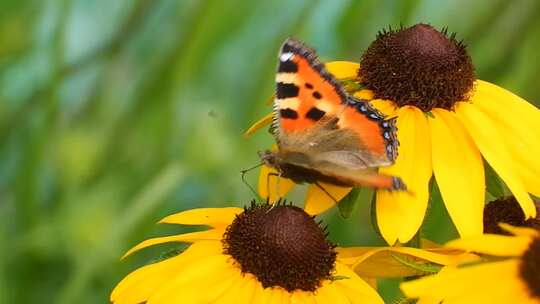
x,y
186,287
327,293
493,291
387,107
244,293
266,295
510,104
371,282
428,286
518,125
493,244
400,214
261,123
279,296
356,289
343,69
350,255
456,285
272,186
141,283
223,284
379,262
521,231
427,244
303,297
204,216
318,201
175,290
364,94
428,301
485,135
207,235
459,171
228,296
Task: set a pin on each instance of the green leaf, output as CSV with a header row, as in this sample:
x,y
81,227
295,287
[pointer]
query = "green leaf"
x,y
429,114
373,214
415,241
437,225
171,253
346,205
423,267
351,86
405,301
494,185
339,277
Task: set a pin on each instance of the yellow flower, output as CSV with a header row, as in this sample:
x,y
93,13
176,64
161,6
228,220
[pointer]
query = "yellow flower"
x,y
513,276
448,123
395,262
260,254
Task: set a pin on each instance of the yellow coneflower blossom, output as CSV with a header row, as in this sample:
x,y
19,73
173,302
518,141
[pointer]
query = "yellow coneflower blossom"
x,y
448,122
396,262
512,277
260,254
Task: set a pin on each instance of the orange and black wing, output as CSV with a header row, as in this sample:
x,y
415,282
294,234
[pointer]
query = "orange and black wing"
x,y
305,92
374,133
315,116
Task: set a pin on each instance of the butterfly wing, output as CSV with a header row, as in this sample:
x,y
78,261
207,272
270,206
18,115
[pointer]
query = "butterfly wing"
x,y
305,91
352,176
376,136
364,177
313,115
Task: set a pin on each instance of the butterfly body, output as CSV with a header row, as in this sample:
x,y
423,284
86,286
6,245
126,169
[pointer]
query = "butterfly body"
x,y
297,173
323,133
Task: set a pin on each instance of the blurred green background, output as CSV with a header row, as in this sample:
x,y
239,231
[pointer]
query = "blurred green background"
x,y
114,114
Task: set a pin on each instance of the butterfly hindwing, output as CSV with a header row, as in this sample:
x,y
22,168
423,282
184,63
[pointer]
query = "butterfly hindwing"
x,y
365,178
375,133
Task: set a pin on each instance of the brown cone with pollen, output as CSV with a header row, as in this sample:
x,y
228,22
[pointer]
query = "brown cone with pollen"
x,y
418,66
530,268
281,246
506,210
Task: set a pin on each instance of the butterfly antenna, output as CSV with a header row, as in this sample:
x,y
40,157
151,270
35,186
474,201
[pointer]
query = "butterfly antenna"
x,y
327,193
243,175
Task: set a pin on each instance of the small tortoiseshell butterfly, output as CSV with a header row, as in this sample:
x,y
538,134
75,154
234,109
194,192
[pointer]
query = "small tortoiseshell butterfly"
x,y
323,133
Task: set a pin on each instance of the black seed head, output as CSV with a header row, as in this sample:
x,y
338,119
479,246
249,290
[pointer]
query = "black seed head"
x,y
530,268
418,66
506,210
281,246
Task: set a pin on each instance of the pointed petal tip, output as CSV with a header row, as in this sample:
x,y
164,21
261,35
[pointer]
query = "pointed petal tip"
x,y
343,69
319,201
264,121
519,231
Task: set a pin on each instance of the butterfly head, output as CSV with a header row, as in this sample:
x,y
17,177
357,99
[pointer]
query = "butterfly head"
x,y
269,158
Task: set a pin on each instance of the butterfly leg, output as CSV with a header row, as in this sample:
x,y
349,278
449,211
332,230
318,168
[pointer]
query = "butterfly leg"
x,y
268,186
243,175
277,185
327,193
278,176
